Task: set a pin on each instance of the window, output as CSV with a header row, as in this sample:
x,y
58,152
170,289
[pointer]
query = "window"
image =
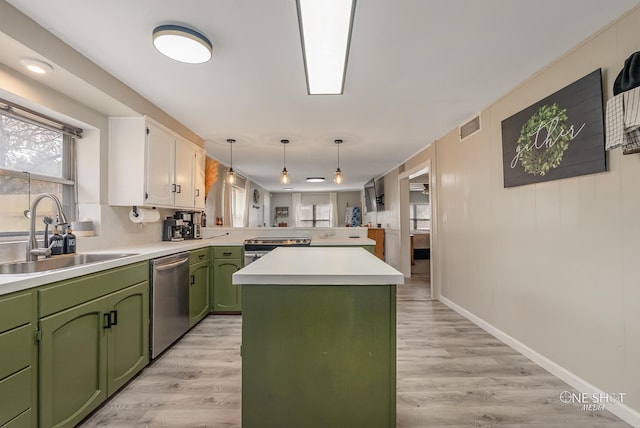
x,y
419,216
315,215
34,158
238,199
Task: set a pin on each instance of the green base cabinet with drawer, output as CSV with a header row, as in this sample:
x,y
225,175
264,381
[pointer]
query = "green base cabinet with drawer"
x,y
199,301
226,296
18,360
92,345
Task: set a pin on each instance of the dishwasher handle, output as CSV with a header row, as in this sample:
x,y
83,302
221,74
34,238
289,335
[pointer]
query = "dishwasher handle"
x,y
161,267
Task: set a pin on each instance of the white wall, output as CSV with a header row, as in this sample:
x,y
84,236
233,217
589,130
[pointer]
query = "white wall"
x,y
553,266
256,210
343,198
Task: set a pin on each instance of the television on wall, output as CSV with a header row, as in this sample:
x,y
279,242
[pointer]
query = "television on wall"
x,y
374,195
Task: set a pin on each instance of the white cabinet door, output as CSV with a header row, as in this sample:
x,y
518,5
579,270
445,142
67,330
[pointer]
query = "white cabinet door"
x,y
198,174
185,158
159,180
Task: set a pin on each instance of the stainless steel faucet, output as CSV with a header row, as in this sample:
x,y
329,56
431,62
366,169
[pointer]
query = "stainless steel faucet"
x,y
32,244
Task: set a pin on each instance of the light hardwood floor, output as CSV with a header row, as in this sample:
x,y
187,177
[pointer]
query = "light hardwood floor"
x,y
450,373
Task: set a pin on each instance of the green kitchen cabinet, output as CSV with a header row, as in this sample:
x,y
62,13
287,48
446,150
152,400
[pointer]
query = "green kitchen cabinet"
x,y
318,356
199,302
226,296
94,345
18,360
128,337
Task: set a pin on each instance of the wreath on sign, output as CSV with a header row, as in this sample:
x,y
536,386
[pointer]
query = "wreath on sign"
x,y
540,152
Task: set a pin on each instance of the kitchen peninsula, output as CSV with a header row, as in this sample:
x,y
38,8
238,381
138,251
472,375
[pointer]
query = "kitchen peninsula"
x,y
318,339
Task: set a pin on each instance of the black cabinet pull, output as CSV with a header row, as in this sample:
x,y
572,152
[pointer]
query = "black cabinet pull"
x,y
114,317
173,188
226,254
193,280
197,192
179,186
202,256
107,320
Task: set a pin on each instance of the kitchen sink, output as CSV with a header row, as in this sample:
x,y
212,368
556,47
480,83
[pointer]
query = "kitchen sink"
x,y
58,262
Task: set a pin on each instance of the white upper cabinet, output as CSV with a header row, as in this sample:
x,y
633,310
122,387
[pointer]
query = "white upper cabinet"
x,y
151,166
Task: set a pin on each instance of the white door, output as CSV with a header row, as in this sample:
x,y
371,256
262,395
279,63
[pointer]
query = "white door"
x,y
160,167
198,176
185,158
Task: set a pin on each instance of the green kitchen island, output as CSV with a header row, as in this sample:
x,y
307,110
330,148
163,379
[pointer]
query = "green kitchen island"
x,y
318,339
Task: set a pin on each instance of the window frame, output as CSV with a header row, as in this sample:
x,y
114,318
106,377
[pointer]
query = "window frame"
x,y
314,220
68,179
413,219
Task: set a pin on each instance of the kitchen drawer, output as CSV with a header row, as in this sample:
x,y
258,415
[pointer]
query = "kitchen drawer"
x,y
197,256
67,294
15,395
15,311
15,349
227,252
22,421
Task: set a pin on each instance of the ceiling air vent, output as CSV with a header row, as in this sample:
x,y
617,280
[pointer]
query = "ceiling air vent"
x,y
470,128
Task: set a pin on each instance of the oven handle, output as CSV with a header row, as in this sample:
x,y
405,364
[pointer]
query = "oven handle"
x,y
253,256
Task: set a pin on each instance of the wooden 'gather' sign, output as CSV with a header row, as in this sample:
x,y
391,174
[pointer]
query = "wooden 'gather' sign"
x,y
558,137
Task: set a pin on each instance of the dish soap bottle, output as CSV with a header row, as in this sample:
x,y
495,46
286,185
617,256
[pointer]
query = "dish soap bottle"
x,y
56,242
69,239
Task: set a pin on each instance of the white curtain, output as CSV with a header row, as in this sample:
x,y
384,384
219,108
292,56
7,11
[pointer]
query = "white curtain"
x,y
296,201
333,209
247,203
227,216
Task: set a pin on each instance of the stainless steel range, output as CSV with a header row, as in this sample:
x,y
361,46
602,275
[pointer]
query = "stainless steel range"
x,y
255,248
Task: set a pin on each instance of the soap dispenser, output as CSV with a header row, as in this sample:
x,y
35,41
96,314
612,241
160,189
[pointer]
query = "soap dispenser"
x,y
69,241
56,242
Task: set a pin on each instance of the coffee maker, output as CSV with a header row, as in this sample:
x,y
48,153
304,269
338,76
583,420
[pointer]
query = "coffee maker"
x,y
192,221
173,229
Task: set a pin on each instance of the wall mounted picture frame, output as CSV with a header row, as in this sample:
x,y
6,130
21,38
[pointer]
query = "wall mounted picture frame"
x,y
560,136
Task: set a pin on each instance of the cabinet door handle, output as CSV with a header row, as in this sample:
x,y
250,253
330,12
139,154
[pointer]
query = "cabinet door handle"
x,y
107,320
173,188
193,280
202,256
114,317
179,188
197,192
226,254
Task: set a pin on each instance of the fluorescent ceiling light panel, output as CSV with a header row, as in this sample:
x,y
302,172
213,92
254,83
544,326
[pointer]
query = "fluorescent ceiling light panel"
x,y
325,30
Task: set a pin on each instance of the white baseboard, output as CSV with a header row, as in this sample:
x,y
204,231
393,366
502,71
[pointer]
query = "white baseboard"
x,y
622,411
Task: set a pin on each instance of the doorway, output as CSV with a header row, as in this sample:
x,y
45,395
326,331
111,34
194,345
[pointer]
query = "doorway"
x,y
417,226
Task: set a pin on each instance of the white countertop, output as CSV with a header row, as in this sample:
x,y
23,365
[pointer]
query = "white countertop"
x,y
341,241
318,266
12,283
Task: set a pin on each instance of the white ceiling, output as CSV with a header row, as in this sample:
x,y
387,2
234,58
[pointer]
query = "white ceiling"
x,y
417,69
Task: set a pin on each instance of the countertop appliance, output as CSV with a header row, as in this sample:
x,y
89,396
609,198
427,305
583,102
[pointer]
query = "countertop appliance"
x,y
255,248
191,223
169,301
173,229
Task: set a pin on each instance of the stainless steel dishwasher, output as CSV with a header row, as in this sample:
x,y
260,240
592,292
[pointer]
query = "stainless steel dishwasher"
x,y
169,301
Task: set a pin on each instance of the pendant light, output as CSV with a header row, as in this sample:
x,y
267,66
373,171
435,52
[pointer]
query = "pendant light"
x,y
231,174
337,176
284,175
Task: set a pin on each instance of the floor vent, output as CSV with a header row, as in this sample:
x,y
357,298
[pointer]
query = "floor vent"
x,y
469,128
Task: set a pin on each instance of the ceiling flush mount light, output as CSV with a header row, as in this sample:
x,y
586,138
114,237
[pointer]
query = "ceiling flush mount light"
x,y
231,174
315,179
337,176
36,66
284,175
325,30
182,44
